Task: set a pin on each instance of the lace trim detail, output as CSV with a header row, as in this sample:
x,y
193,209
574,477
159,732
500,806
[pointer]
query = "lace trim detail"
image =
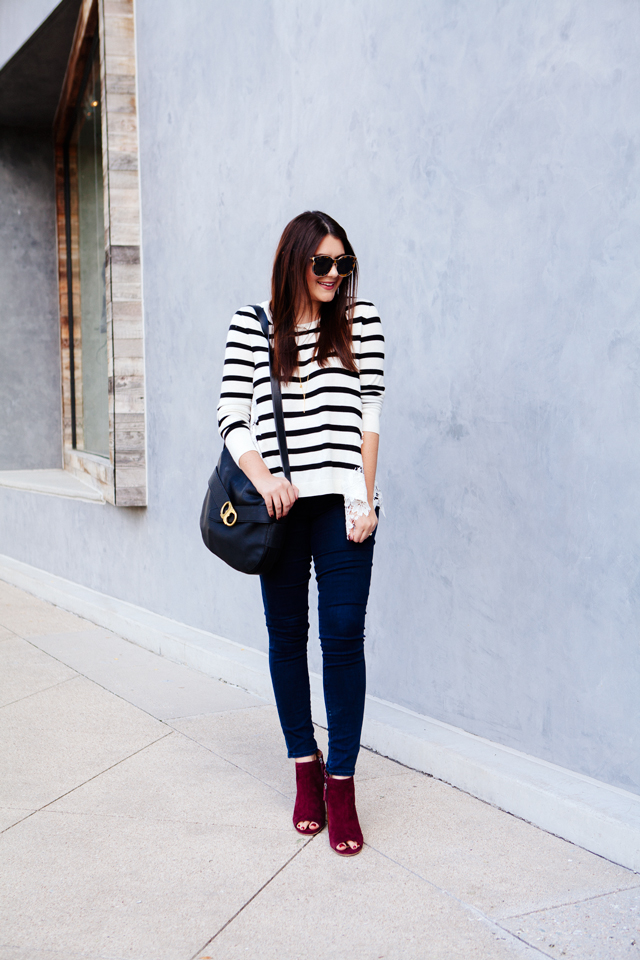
x,y
253,424
355,498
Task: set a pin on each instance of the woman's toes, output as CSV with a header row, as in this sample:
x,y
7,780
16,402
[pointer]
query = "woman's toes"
x,y
350,843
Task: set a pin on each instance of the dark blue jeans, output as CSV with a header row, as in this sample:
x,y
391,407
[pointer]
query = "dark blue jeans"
x,y
316,530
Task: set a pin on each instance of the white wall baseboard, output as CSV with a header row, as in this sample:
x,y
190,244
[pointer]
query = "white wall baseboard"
x,y
592,814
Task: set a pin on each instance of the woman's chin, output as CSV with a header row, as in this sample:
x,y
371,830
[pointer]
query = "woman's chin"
x,y
323,295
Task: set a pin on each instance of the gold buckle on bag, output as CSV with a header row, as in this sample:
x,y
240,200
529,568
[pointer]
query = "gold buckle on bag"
x,y
228,514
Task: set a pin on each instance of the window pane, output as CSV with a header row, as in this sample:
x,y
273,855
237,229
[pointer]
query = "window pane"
x,y
90,361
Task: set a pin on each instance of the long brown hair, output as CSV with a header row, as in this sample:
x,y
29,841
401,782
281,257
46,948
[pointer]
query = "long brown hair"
x,y
290,295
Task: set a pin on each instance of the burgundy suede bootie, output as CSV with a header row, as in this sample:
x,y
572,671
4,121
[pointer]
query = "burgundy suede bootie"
x,y
342,816
310,795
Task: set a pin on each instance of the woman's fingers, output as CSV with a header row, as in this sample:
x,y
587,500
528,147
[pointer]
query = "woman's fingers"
x,y
363,528
288,497
280,498
283,503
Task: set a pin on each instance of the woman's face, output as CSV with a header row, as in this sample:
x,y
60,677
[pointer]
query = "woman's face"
x,y
323,289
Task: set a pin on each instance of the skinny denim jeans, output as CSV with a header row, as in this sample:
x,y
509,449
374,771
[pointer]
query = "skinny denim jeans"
x,y
316,530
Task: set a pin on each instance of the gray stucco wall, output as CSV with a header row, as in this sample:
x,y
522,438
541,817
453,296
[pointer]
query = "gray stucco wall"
x,y
30,407
483,158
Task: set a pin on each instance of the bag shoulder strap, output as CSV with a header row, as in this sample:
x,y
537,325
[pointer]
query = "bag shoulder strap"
x,y
276,395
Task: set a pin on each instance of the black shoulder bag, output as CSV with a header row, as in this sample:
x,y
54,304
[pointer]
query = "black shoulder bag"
x,y
234,522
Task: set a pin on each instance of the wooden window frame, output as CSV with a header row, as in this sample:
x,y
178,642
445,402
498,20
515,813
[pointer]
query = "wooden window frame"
x,y
122,478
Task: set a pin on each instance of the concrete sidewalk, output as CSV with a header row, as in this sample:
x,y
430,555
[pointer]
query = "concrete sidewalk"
x,y
145,812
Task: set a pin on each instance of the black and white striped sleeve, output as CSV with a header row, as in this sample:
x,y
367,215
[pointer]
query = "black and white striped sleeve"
x,y
370,359
234,408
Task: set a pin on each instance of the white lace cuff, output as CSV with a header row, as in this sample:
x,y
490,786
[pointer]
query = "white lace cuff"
x,y
356,503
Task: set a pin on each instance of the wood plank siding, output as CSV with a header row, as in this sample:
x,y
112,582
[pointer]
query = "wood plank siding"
x,y
123,477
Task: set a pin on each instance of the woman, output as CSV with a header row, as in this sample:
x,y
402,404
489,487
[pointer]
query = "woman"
x,y
328,351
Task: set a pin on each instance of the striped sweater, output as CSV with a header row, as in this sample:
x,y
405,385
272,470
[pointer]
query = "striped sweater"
x,y
326,409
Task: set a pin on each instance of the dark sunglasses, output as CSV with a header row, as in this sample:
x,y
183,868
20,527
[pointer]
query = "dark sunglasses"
x,y
344,265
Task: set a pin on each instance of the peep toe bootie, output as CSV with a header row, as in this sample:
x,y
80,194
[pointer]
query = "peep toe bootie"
x,y
342,816
310,796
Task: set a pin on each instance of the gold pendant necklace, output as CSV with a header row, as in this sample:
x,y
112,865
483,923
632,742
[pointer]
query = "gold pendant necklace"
x,y
304,395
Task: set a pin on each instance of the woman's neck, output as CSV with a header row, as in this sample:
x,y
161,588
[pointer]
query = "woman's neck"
x,y
308,315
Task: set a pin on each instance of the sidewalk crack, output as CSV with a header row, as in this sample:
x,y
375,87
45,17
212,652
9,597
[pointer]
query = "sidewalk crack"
x,y
35,693
102,686
463,903
84,782
231,763
250,900
572,903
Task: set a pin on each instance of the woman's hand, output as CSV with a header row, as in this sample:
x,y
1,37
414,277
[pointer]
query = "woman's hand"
x,y
363,527
278,494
